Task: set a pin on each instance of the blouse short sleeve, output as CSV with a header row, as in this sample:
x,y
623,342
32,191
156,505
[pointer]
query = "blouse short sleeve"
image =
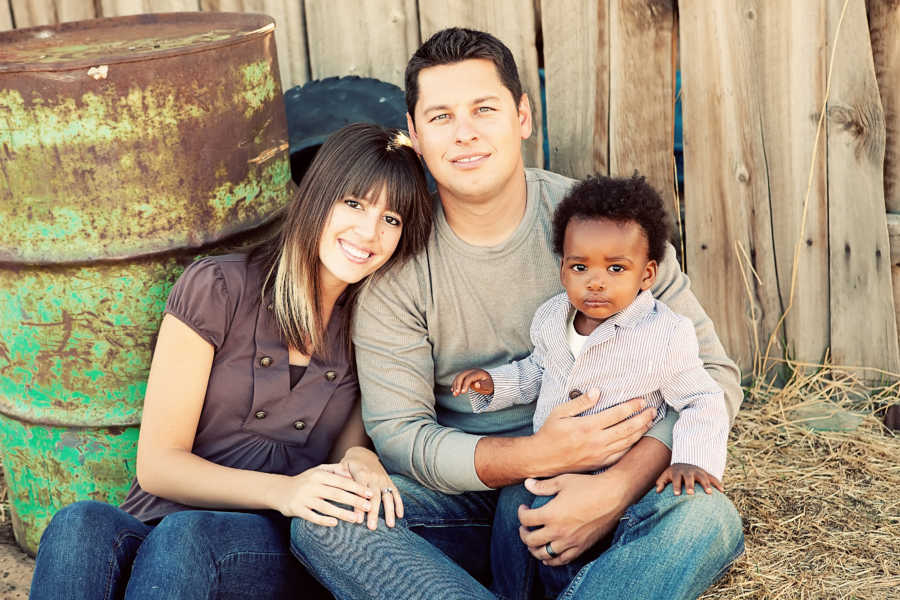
x,y
200,300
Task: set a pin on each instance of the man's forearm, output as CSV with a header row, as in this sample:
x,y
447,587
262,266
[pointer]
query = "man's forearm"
x,y
502,461
638,469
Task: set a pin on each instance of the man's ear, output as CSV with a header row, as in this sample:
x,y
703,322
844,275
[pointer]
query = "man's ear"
x,y
649,275
413,137
525,120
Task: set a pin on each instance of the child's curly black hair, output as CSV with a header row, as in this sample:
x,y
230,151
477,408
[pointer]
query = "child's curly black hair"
x,y
620,200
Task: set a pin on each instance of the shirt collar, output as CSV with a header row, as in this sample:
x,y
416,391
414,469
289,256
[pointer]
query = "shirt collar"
x,y
635,312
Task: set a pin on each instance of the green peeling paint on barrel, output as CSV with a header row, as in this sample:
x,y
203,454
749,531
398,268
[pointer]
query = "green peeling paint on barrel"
x,y
128,146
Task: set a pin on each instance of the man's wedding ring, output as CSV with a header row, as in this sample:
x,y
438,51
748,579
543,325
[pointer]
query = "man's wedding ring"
x,y
387,491
550,551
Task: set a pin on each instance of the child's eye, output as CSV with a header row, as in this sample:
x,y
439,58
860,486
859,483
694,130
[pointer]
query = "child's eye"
x,y
616,268
578,267
392,220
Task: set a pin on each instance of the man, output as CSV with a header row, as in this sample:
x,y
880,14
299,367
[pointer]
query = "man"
x,y
467,301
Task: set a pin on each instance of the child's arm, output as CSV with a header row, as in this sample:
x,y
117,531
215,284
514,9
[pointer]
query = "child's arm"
x,y
700,435
518,382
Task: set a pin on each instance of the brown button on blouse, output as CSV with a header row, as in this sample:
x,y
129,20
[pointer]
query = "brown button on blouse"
x,y
251,417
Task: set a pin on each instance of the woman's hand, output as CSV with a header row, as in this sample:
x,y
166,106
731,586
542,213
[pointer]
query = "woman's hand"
x,y
365,468
312,495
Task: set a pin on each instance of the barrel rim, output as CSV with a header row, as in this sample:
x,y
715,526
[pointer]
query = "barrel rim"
x,y
257,25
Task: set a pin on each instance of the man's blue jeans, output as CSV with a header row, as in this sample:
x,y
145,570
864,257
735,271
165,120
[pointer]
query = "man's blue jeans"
x,y
95,550
665,546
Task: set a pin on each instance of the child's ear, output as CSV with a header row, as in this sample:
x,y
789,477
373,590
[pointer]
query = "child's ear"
x,y
649,275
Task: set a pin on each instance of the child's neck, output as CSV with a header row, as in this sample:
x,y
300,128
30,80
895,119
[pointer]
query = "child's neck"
x,y
584,325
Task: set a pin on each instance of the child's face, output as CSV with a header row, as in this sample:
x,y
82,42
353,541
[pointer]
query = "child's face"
x,y
604,266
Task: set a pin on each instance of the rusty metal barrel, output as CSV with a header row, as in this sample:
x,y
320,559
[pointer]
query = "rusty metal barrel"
x,y
128,146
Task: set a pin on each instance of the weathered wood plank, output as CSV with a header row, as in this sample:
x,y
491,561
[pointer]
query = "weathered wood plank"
x,y
116,8
863,327
884,29
74,10
290,33
893,225
31,13
641,88
727,202
576,68
511,21
369,39
791,79
5,17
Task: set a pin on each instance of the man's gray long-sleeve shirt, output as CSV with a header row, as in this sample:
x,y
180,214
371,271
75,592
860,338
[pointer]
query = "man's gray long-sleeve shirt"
x,y
456,306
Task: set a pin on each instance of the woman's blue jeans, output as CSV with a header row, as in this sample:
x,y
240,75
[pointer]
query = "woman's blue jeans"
x,y
95,550
665,547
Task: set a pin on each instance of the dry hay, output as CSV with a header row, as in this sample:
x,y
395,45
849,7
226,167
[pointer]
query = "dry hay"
x,y
820,508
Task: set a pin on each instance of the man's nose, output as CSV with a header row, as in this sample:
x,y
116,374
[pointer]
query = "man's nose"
x,y
465,130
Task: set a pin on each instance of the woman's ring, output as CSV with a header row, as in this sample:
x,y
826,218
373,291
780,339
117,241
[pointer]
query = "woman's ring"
x,y
550,551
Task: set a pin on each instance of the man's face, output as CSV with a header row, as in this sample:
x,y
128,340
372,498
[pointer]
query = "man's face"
x,y
469,129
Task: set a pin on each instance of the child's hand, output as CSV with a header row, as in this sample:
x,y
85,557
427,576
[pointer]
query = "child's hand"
x,y
475,379
689,474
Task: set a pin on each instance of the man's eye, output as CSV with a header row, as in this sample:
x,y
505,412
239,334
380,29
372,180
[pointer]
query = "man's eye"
x,y
485,109
440,117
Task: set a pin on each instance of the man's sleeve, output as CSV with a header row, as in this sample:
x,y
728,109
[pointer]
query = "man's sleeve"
x,y
674,288
396,378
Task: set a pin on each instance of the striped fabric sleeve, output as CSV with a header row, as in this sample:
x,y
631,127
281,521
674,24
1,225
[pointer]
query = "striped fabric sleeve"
x,y
700,435
518,382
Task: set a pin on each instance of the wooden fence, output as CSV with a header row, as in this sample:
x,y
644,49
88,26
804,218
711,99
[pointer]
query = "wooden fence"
x,y
787,207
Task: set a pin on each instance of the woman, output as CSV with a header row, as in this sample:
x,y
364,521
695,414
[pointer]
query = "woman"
x,y
252,405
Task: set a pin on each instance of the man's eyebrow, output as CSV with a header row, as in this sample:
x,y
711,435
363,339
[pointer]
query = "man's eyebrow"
x,y
478,100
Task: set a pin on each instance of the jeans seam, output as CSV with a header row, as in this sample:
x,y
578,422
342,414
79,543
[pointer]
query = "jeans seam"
x,y
113,559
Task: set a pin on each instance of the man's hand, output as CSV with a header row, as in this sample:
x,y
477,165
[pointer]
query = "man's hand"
x,y
587,443
586,508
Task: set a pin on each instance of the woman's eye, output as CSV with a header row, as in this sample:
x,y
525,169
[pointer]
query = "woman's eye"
x,y
352,203
391,220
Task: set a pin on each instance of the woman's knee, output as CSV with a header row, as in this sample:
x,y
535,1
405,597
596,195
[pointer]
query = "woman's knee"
x,y
89,523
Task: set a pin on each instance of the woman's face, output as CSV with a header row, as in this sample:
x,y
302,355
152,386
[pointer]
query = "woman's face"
x,y
361,235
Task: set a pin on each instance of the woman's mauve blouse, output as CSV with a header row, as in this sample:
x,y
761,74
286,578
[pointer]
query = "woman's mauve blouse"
x,y
251,418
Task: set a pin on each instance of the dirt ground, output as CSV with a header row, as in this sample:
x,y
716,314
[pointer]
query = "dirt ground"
x,y
16,567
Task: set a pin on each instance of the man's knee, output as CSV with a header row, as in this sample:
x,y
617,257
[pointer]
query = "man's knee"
x,y
710,519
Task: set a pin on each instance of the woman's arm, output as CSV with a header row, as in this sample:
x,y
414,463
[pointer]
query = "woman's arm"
x,y
167,468
353,449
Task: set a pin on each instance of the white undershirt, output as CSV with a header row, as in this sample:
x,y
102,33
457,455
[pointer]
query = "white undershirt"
x,y
576,340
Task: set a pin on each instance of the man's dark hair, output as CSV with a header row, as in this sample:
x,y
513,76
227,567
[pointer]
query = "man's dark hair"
x,y
457,44
620,200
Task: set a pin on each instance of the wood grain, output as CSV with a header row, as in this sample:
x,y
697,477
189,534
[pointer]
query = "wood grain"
x,y
728,222
884,29
370,39
512,22
576,67
863,325
641,88
791,78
